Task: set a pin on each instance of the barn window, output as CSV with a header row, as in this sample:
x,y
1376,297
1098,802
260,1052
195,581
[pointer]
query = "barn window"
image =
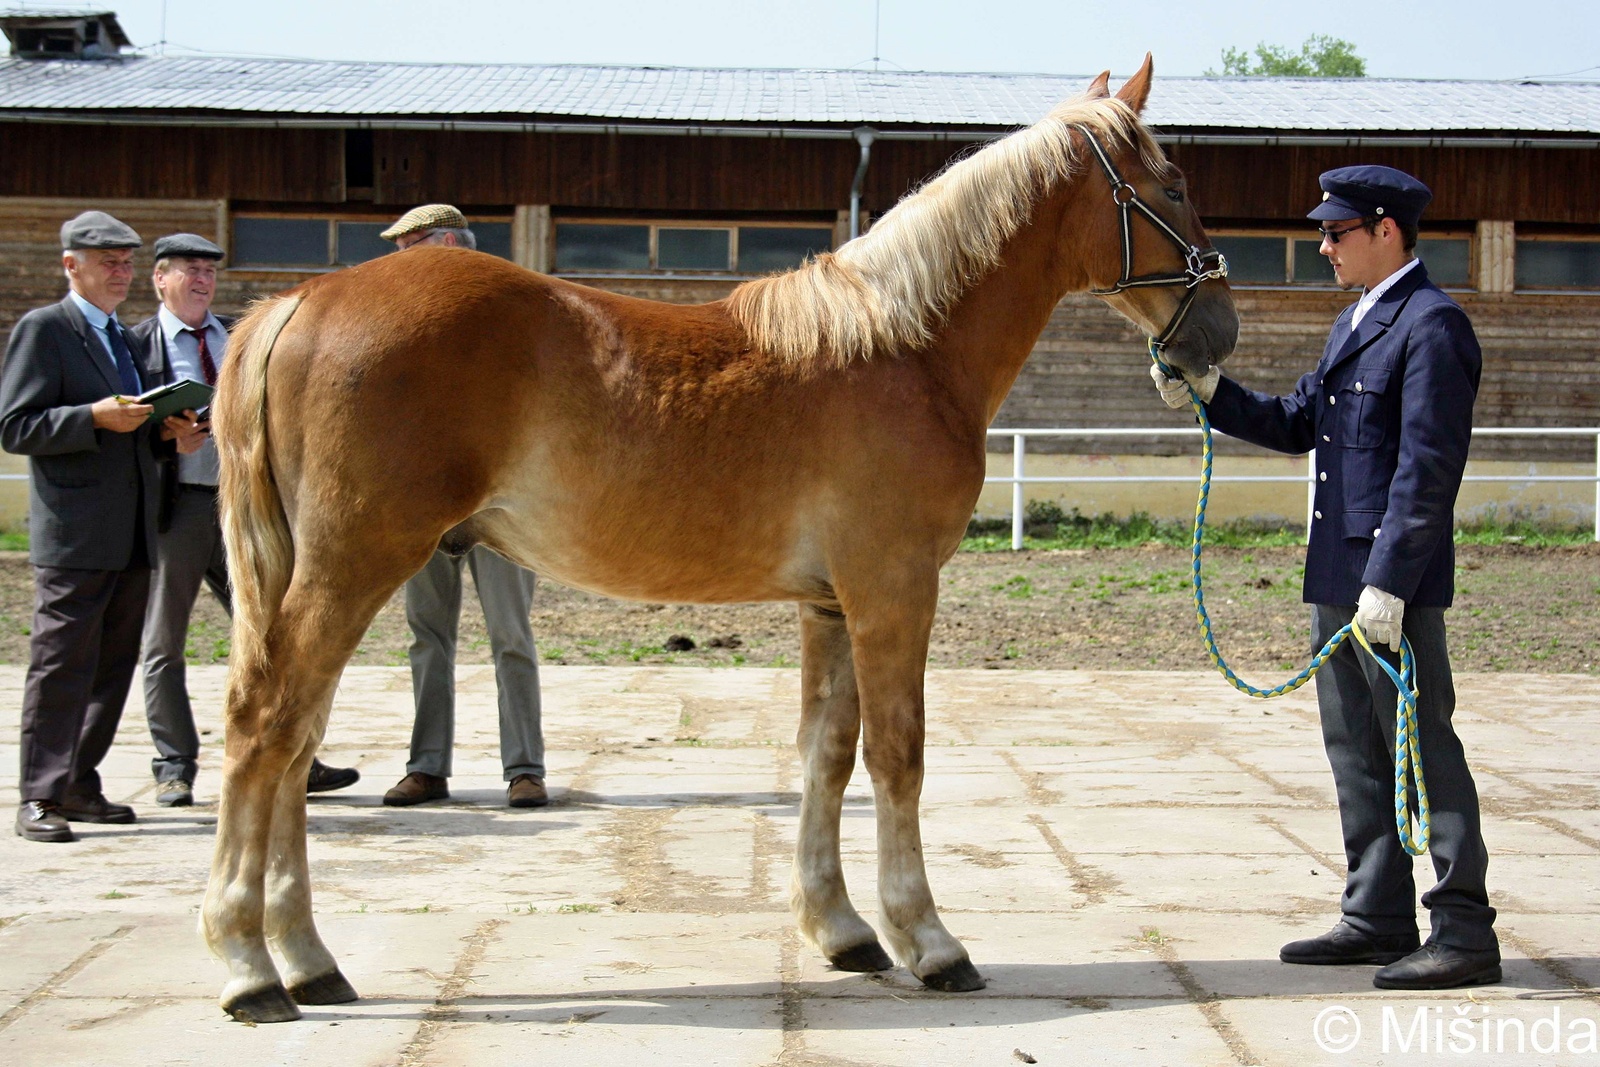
x,y
1556,263
1294,259
263,242
584,247
698,248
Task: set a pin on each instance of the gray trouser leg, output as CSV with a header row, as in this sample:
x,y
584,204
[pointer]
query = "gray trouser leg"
x,y
1357,704
187,555
433,608
506,592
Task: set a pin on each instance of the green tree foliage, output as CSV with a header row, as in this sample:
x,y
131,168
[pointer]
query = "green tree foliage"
x,y
1320,57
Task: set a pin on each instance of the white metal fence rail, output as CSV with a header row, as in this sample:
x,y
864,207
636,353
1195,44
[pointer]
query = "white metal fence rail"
x,y
1020,478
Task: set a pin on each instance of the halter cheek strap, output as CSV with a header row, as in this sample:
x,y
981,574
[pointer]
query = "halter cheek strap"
x,y
1200,265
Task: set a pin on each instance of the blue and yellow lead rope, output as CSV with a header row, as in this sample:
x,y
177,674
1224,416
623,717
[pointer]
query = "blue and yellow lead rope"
x,y
1407,743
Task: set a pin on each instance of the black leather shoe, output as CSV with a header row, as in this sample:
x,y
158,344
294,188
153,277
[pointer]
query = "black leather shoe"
x,y
95,809
1436,966
40,820
323,778
1345,944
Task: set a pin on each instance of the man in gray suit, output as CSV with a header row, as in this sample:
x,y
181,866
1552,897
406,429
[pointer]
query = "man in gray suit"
x,y
433,607
185,340
66,403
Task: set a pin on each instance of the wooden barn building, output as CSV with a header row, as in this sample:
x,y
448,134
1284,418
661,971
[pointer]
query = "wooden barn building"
x,y
677,184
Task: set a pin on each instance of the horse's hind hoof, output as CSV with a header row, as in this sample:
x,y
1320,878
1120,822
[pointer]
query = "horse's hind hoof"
x,y
959,977
269,1004
867,956
330,988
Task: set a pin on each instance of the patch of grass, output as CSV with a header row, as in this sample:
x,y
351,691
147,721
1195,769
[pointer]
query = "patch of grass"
x,y
1017,588
1517,529
580,909
115,894
1046,529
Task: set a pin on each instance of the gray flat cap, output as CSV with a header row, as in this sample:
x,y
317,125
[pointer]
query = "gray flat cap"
x,y
189,245
96,229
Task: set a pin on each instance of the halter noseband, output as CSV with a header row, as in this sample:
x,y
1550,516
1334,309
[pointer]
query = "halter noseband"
x,y
1199,264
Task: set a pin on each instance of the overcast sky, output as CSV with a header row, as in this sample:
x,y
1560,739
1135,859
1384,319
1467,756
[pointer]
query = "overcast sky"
x,y
1398,38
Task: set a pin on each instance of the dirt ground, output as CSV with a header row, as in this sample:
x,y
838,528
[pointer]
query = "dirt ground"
x,y
1517,609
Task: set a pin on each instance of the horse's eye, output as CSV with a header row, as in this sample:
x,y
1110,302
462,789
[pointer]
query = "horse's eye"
x,y
1175,195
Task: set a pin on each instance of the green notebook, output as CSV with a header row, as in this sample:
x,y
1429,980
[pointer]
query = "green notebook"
x,y
185,394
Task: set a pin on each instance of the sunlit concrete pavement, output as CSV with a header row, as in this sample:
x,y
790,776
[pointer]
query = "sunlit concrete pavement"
x,y
1123,853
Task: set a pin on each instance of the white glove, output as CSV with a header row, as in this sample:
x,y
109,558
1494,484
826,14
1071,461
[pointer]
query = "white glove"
x,y
1378,614
1175,391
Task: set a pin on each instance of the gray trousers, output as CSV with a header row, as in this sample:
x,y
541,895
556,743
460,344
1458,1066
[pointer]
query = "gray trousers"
x,y
1357,703
433,608
190,553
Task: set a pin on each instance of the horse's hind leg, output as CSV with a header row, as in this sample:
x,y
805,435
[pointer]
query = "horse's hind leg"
x,y
830,721
310,973
890,619
276,710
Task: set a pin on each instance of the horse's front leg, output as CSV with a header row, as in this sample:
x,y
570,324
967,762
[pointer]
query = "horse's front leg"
x,y
830,722
889,631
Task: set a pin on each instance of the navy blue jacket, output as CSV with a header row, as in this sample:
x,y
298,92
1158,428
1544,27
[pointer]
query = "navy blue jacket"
x,y
1389,411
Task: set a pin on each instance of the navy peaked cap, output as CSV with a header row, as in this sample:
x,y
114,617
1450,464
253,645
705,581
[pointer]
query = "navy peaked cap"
x,y
188,245
96,229
1369,191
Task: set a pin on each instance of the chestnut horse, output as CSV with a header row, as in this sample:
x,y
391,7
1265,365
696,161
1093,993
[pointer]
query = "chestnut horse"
x,y
817,437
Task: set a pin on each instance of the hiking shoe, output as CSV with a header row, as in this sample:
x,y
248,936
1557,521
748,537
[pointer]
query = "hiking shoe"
x,y
527,791
175,794
417,788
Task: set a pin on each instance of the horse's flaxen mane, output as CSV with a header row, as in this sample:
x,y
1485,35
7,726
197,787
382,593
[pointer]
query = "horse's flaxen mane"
x,y
892,287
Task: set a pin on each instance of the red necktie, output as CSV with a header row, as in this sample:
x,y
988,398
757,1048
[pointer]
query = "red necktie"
x,y
207,367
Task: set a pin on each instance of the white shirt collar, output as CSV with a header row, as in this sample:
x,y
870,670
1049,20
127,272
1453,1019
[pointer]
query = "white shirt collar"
x,y
1371,296
172,326
94,315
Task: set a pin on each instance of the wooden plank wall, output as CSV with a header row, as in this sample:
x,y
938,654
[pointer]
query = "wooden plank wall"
x,y
717,174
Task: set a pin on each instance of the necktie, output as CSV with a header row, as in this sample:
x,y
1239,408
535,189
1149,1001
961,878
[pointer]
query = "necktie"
x,y
126,371
207,366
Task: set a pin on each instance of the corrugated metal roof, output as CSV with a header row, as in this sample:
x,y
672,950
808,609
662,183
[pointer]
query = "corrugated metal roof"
x,y
241,86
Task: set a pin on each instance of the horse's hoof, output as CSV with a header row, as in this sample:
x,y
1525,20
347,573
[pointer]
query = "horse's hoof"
x,y
330,988
867,956
269,1004
959,977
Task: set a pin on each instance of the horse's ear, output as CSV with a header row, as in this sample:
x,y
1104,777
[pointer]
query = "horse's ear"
x,y
1100,88
1136,89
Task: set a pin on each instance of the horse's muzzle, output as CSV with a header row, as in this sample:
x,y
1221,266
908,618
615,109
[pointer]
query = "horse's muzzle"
x,y
1209,332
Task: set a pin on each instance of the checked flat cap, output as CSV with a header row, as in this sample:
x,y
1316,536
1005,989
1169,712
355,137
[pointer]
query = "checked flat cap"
x,y
426,217
96,229
187,245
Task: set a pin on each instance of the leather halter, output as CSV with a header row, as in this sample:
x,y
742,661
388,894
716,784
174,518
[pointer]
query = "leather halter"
x,y
1200,265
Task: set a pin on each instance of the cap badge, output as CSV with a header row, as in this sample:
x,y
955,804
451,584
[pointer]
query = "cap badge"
x,y
1380,211
1326,195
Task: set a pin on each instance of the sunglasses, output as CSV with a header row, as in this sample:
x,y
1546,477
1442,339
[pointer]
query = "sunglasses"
x,y
1332,236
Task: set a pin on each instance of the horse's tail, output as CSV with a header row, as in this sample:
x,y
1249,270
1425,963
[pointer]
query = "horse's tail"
x,y
256,530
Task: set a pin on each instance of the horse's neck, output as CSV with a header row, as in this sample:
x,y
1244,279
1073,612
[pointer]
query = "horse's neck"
x,y
992,328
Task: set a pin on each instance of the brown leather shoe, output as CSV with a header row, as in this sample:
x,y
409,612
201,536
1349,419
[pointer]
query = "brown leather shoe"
x,y
526,791
95,809
417,788
40,820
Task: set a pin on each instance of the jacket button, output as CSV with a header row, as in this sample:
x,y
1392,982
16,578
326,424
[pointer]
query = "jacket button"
x,y
1377,531
1325,437
1358,387
1322,477
1316,514
1330,400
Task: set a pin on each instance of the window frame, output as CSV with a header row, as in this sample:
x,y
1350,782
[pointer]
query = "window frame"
x,y
1290,236
1563,238
333,219
658,223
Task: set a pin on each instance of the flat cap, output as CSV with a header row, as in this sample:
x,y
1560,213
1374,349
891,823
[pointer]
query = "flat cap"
x,y
426,217
96,229
1370,191
188,245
